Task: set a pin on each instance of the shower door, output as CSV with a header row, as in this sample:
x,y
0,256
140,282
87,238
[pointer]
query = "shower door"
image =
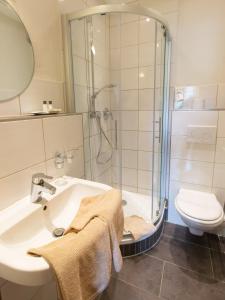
x,y
158,173
119,87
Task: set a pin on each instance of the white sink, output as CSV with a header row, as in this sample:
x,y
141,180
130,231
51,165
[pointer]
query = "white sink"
x,y
25,225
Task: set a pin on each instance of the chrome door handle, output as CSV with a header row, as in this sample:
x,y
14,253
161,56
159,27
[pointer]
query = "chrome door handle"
x,y
160,128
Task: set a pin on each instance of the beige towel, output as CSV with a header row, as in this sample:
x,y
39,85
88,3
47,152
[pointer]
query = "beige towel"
x,y
108,207
138,227
82,258
81,262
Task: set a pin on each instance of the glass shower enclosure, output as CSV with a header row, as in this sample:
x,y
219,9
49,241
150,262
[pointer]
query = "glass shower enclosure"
x,y
118,78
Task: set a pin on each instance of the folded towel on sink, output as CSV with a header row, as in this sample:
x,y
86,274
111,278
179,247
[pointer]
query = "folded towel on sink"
x,y
138,227
82,258
107,207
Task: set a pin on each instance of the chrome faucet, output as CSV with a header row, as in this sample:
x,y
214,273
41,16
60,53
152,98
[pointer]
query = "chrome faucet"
x,y
39,185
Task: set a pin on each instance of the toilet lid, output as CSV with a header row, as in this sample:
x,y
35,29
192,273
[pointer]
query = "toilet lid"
x,y
199,205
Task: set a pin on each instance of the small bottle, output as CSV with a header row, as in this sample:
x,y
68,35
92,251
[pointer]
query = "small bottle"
x,y
50,106
45,107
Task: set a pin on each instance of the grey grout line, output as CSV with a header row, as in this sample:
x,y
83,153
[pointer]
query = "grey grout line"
x,y
161,283
211,263
134,286
185,268
187,242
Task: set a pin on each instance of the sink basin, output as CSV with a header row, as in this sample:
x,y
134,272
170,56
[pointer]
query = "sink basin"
x,y
25,225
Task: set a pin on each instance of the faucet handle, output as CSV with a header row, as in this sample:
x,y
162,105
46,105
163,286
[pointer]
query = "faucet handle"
x,y
37,177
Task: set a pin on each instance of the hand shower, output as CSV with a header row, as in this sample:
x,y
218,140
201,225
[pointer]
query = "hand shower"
x,y
97,116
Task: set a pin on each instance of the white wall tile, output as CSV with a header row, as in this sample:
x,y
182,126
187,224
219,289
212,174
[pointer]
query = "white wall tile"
x,y
181,120
221,96
196,97
115,59
220,151
129,188
129,140
146,99
81,97
62,133
129,79
22,145
129,100
21,183
145,160
146,120
146,54
181,148
74,169
221,124
192,172
144,179
146,77
80,74
129,57
114,19
114,37
10,108
129,177
129,120
147,31
129,34
129,159
219,175
145,141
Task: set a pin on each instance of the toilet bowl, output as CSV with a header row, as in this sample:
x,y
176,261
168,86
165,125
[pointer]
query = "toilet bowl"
x,y
200,211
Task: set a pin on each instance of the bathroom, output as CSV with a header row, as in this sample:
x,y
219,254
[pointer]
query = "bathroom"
x,y
120,94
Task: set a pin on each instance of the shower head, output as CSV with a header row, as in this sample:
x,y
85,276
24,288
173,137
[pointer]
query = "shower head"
x,y
94,96
108,86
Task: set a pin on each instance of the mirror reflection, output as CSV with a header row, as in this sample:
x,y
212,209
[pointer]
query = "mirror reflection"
x,y
16,54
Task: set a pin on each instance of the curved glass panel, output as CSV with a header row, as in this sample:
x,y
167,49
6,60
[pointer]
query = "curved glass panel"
x,y
118,67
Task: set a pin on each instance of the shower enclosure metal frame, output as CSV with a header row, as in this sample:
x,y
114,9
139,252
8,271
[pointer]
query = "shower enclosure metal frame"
x,y
70,103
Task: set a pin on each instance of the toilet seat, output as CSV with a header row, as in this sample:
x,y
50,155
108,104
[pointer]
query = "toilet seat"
x,y
199,206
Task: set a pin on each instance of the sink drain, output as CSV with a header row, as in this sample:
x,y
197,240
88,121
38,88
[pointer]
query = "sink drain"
x,y
58,232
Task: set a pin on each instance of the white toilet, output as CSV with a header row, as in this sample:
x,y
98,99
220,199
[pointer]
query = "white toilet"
x,y
200,211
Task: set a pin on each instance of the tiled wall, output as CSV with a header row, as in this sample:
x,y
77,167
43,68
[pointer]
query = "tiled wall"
x,y
42,20
80,30
198,63
132,58
28,147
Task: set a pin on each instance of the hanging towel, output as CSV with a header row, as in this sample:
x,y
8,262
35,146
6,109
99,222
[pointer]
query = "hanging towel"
x,y
82,258
108,207
138,227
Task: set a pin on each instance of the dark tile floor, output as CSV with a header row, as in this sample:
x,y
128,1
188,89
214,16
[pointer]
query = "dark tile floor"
x,y
180,267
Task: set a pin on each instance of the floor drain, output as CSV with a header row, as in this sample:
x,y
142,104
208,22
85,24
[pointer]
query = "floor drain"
x,y
58,232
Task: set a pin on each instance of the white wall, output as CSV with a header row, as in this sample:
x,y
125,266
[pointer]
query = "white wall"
x,y
29,147
198,29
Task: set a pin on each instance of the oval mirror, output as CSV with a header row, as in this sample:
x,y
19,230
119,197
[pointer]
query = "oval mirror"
x,y
16,54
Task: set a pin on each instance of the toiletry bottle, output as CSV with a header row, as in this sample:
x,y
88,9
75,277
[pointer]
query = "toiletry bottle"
x,y
45,107
50,106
